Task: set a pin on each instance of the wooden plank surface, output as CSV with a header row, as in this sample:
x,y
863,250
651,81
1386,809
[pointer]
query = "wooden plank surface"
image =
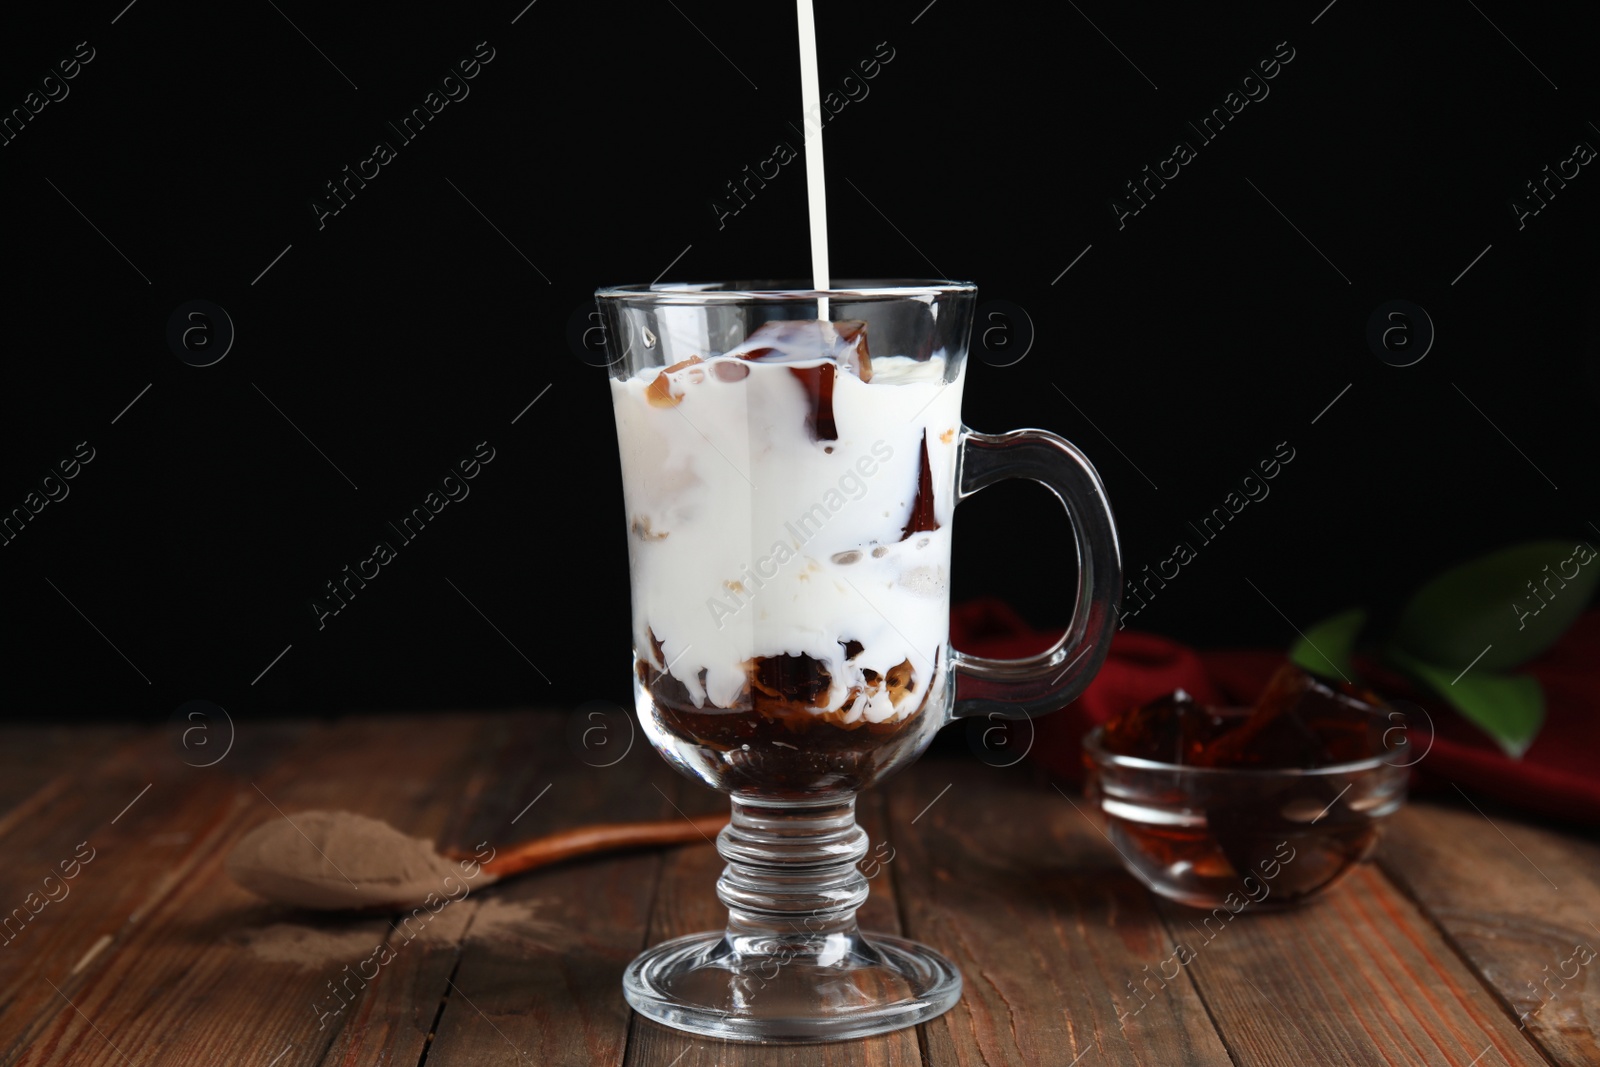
x,y
1356,977
1002,874
32,757
130,827
540,973
1459,948
210,973
1520,903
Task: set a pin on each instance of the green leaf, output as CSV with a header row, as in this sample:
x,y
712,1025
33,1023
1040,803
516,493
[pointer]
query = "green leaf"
x,y
1325,648
1515,603
1507,707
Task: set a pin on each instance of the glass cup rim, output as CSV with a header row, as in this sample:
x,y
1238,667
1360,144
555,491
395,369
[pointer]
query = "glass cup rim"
x,y
851,290
1091,745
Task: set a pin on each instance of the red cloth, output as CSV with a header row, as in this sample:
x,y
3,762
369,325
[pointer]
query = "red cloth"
x,y
1558,776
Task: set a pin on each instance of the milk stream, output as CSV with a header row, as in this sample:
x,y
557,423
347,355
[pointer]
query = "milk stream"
x,y
816,191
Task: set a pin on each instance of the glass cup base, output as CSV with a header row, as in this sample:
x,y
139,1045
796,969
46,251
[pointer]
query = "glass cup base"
x,y
846,986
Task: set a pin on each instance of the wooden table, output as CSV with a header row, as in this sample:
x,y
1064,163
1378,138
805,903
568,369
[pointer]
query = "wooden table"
x,y
150,955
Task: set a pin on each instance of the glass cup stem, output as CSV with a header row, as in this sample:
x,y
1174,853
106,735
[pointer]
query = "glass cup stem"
x,y
791,885
791,964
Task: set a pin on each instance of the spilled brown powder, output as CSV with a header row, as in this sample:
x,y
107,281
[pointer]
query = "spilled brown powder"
x,y
496,924
306,946
516,923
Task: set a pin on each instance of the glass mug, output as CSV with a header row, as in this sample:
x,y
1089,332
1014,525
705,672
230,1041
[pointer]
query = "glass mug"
x,y
791,462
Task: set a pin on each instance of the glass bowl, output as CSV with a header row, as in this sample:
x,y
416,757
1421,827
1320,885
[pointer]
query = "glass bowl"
x,y
1214,837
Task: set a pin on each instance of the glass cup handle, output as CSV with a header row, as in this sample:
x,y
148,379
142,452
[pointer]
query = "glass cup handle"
x,y
1017,688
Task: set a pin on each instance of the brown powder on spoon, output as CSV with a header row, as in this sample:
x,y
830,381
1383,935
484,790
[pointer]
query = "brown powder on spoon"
x,y
332,860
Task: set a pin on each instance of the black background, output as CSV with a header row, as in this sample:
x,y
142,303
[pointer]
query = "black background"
x,y
414,324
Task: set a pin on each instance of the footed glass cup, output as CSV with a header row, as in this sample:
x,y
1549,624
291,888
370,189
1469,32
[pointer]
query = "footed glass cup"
x,y
791,463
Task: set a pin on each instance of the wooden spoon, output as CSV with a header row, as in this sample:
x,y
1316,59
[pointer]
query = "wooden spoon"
x,y
336,860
